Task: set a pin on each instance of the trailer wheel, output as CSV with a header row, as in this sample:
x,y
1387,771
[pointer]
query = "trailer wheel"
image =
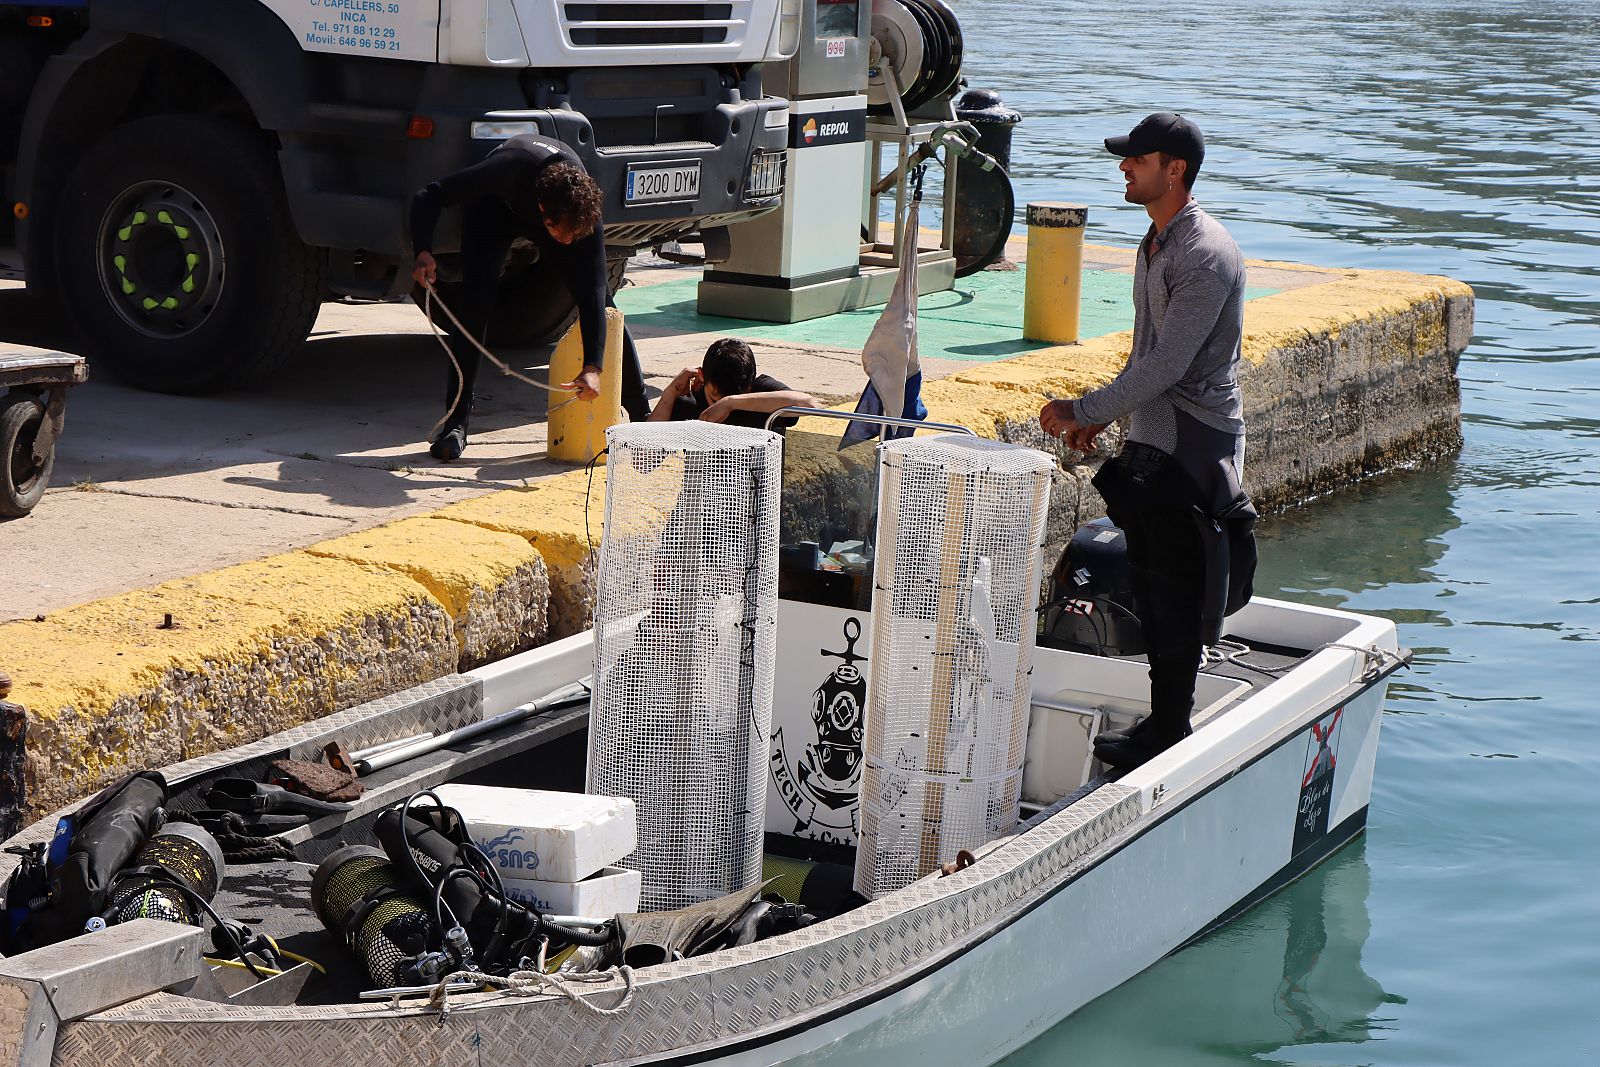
x,y
534,306
22,480
178,258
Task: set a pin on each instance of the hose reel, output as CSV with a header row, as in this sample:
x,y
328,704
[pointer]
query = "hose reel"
x,y
920,43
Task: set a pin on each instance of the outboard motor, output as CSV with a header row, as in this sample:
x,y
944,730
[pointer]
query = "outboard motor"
x,y
1091,606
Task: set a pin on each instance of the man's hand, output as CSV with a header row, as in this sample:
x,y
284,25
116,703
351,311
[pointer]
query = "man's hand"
x,y
719,411
1082,439
425,272
586,384
1055,418
686,382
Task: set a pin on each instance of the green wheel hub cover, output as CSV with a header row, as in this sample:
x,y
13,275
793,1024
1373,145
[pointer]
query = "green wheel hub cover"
x,y
160,259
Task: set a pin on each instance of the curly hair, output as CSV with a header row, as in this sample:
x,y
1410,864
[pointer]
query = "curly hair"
x,y
569,196
730,366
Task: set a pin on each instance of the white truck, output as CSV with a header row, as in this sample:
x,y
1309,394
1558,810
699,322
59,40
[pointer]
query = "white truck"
x,y
193,178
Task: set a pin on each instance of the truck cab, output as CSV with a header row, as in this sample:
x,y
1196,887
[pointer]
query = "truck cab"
x,y
192,179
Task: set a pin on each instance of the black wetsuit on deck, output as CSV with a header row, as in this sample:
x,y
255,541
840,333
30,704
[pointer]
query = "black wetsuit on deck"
x,y
498,206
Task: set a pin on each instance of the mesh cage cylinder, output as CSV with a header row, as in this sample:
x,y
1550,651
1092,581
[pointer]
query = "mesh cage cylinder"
x,y
960,525
358,895
685,624
185,852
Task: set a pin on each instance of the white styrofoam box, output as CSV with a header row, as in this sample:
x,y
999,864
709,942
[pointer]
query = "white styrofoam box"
x,y
613,891
558,837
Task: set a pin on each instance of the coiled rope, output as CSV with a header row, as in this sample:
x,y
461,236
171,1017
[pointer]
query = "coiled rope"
x,y
1234,652
429,298
530,983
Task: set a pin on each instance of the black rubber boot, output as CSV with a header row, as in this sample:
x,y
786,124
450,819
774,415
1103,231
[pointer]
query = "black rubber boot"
x,y
1140,748
1108,737
450,444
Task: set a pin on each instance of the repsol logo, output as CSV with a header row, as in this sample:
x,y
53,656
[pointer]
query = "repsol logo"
x,y
838,128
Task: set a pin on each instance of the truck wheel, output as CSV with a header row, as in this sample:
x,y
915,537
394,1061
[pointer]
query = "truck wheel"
x,y
22,481
534,306
178,258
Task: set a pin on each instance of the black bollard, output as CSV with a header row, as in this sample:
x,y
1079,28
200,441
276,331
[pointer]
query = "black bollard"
x,y
985,206
994,120
13,762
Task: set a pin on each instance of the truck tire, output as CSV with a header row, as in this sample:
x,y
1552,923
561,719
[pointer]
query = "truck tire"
x,y
22,481
178,258
534,306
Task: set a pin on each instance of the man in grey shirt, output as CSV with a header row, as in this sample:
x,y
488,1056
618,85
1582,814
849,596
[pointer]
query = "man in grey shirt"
x,y
1180,390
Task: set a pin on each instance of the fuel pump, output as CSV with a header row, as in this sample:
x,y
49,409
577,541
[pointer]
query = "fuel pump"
x,y
800,261
870,80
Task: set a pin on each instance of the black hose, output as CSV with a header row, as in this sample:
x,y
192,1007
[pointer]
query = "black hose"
x,y
168,881
577,935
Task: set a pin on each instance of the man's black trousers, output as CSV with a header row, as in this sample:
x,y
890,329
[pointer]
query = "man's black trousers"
x,y
1168,572
1167,565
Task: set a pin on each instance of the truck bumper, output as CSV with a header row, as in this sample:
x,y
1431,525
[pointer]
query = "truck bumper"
x,y
694,114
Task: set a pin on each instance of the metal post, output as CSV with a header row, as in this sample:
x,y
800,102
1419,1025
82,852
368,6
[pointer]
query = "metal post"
x,y
577,428
1054,284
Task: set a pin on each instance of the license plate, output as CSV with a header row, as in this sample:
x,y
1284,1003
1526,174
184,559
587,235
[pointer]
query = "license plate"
x,y
660,183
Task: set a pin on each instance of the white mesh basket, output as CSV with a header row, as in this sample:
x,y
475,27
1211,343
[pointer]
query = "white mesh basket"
x,y
684,627
960,525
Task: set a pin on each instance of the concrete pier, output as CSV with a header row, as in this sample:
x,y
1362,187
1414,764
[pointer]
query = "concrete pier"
x,y
392,572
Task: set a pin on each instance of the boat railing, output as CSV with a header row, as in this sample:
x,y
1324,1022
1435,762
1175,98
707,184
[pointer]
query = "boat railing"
x,y
856,416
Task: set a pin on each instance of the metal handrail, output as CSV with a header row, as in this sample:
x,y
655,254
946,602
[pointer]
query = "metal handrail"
x,y
881,420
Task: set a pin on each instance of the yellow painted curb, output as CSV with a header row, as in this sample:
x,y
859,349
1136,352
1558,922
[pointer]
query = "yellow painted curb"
x,y
254,648
560,519
493,585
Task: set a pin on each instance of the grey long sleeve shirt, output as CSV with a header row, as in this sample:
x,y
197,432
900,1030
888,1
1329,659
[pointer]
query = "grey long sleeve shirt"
x,y
1188,318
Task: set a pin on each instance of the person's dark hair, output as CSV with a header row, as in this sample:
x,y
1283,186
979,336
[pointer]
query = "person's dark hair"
x,y
1191,169
730,366
569,196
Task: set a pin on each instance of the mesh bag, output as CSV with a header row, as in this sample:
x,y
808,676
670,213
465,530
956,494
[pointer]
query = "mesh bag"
x,y
960,526
684,627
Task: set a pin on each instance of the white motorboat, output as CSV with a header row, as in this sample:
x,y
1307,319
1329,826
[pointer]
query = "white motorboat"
x,y
1103,875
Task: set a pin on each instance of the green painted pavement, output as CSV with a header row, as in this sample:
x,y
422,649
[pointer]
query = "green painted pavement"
x,y
979,320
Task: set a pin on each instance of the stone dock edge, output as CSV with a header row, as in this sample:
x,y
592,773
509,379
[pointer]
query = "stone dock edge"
x,y
1342,379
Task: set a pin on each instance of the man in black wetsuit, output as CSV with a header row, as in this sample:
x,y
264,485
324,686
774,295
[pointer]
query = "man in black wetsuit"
x,y
535,188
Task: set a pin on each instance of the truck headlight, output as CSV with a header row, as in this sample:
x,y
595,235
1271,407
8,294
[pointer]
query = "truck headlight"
x,y
500,129
766,175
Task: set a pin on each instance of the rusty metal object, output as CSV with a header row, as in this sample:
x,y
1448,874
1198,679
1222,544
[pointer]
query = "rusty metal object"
x,y
963,860
13,762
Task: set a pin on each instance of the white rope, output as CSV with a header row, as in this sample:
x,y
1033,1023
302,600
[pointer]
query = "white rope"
x,y
535,983
1234,652
430,296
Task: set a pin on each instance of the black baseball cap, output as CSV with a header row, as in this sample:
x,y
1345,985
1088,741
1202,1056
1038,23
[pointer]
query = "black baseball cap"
x,y
1162,132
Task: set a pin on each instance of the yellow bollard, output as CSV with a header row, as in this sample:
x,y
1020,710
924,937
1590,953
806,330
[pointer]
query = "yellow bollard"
x,y
1054,281
578,429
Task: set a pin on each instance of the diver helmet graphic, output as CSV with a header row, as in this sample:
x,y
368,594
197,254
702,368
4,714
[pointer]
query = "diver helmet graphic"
x,y
830,768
